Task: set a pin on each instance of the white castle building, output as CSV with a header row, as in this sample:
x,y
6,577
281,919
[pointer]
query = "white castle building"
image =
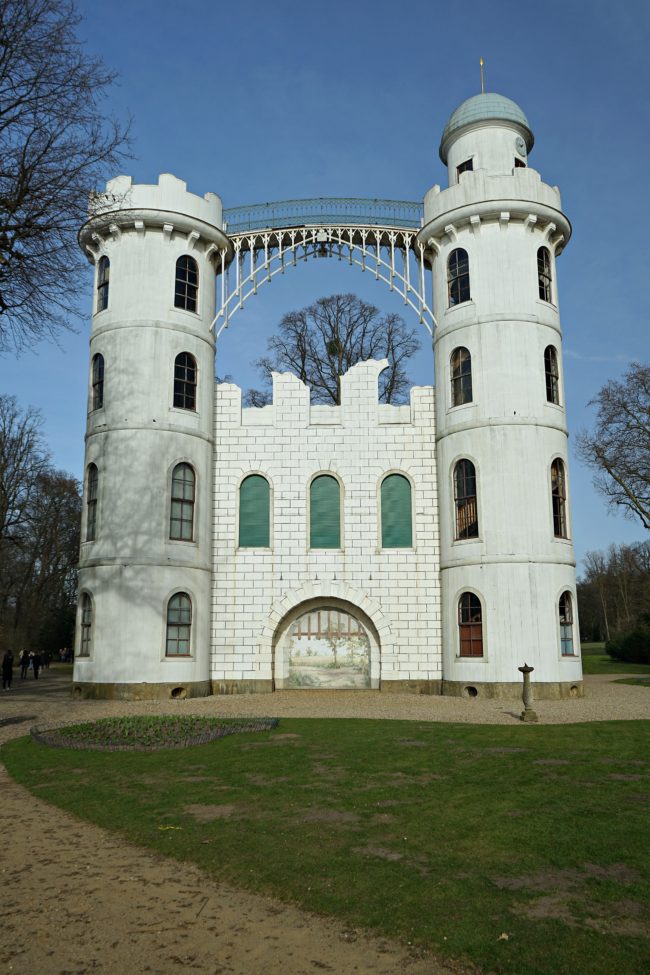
x,y
422,547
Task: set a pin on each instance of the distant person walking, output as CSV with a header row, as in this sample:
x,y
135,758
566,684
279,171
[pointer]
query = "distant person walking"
x,y
24,663
7,670
36,664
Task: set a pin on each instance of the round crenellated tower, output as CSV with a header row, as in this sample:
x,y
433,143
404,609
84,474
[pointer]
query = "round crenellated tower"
x,y
507,562
143,626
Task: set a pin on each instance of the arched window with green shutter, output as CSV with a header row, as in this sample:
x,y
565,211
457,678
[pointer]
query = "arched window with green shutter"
x,y
325,512
254,512
396,518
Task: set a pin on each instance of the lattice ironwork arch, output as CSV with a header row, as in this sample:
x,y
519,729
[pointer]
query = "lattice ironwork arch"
x,y
392,255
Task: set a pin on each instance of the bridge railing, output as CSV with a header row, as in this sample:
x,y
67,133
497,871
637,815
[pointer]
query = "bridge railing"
x,y
326,211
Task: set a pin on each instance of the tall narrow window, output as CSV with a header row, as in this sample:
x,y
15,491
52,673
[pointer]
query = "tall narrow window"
x,y
458,276
92,490
98,382
185,381
86,626
461,376
465,500
566,624
181,520
103,278
470,625
544,274
186,289
179,626
552,375
558,495
325,512
254,512
396,516
465,167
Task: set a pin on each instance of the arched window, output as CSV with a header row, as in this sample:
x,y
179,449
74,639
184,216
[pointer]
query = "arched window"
x,y
396,517
98,382
179,626
461,376
566,624
92,491
86,625
185,381
465,500
186,288
254,512
325,512
544,279
558,496
470,625
458,276
552,375
181,519
103,278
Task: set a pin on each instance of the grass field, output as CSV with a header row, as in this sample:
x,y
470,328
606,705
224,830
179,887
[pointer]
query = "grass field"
x,y
523,849
596,661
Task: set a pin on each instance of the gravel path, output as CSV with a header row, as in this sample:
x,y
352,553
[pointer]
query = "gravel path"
x,y
75,899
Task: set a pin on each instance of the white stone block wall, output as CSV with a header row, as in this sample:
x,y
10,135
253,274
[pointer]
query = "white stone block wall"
x,y
396,590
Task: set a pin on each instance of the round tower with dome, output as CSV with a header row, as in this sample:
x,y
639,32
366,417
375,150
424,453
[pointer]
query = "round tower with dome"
x,y
507,562
143,625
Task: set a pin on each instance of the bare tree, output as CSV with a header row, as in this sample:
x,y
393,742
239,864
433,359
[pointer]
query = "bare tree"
x,y
56,145
618,450
321,342
23,459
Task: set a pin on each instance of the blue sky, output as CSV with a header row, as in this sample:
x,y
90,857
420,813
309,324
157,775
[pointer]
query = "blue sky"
x,y
266,101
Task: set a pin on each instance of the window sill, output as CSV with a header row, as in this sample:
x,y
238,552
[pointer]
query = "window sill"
x,y
400,549
461,304
482,660
467,541
178,656
253,548
185,311
183,541
339,551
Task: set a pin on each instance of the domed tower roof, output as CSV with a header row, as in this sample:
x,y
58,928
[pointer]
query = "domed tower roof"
x,y
483,108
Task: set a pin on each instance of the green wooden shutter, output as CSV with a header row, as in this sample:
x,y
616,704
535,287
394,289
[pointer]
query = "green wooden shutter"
x,y
396,527
324,513
254,512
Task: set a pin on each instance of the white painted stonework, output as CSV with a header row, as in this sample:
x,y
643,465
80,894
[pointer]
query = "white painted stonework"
x,y
244,601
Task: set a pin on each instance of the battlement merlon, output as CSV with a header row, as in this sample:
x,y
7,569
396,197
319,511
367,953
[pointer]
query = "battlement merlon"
x,y
165,204
521,195
360,406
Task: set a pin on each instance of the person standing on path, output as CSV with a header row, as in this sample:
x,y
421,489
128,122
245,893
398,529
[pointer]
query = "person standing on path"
x,y
7,670
36,664
24,663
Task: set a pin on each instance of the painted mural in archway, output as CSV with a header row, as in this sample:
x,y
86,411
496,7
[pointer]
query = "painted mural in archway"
x,y
328,648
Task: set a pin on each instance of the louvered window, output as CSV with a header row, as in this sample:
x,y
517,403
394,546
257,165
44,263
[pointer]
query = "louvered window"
x,y
179,625
465,500
325,512
461,376
254,512
566,624
181,520
470,625
396,516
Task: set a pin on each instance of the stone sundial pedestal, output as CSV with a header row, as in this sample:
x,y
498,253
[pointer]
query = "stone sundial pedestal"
x,y
528,714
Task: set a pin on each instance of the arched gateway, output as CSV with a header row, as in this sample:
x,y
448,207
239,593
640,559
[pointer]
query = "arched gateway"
x,y
403,547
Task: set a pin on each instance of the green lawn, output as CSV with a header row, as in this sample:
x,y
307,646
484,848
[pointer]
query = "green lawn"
x,y
596,661
446,836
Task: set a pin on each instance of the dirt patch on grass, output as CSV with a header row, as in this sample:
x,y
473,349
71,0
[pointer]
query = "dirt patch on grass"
x,y
381,852
266,780
623,777
551,761
208,813
328,816
562,880
412,742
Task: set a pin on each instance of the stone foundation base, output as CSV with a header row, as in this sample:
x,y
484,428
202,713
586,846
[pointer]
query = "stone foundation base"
x,y
141,692
411,687
242,686
550,691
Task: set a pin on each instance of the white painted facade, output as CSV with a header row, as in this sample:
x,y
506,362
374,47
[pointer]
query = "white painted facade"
x,y
244,600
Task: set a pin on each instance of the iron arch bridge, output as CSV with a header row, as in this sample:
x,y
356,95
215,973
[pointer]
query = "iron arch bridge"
x,y
379,236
